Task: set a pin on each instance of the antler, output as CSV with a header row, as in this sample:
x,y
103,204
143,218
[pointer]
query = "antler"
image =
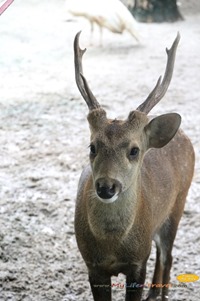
x,y
80,79
161,87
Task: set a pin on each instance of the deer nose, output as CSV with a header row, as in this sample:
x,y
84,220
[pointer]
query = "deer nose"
x,y
107,188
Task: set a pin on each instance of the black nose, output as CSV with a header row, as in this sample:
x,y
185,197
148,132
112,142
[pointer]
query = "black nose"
x,y
105,192
106,189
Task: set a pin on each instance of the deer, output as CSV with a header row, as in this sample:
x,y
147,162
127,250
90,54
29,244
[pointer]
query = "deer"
x,y
133,190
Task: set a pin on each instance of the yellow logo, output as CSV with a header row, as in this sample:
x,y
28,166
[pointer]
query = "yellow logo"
x,y
187,277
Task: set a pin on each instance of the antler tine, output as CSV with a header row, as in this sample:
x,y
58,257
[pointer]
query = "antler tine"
x,y
80,79
161,87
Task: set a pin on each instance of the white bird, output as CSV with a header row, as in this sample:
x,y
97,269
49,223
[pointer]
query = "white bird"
x,y
111,14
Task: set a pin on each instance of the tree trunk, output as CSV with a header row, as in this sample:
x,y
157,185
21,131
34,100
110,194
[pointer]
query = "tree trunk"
x,y
156,11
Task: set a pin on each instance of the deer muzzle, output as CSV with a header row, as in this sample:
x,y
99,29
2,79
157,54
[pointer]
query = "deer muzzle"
x,y
108,189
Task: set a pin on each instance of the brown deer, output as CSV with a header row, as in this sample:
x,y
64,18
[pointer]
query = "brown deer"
x,y
133,191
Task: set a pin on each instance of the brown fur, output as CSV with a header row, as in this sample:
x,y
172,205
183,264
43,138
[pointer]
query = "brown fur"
x,y
116,237
133,191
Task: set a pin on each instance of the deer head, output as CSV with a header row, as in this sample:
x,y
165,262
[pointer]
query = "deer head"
x,y
117,147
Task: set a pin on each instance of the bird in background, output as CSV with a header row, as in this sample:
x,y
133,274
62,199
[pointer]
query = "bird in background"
x,y
110,14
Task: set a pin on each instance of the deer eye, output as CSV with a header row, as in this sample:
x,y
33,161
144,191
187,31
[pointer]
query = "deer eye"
x,y
134,152
92,150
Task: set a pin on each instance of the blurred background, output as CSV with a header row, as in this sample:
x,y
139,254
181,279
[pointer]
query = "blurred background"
x,y
44,134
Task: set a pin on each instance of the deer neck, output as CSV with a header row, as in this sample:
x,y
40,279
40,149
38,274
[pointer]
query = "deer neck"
x,y
114,219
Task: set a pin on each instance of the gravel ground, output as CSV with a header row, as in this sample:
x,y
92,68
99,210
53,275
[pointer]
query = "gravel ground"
x,y
44,137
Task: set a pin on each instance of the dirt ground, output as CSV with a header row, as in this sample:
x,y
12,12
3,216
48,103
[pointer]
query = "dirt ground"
x,y
44,140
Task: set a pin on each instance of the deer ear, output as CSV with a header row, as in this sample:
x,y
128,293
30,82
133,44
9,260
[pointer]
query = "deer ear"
x,y
162,129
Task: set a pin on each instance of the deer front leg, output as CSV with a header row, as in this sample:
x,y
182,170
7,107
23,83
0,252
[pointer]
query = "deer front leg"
x,y
154,291
100,286
134,283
